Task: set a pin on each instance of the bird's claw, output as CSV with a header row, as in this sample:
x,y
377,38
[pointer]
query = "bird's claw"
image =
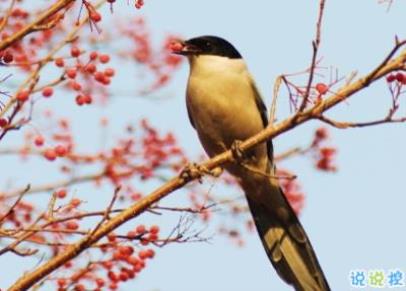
x,y
194,170
238,155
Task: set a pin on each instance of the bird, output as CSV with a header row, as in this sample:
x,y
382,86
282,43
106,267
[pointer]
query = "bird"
x,y
225,108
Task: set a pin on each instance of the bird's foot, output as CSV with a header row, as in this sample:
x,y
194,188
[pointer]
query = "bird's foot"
x,y
194,170
238,155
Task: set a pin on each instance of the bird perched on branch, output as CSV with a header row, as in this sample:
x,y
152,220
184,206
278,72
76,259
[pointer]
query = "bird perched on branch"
x,y
225,107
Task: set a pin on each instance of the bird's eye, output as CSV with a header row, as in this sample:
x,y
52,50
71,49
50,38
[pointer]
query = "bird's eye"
x,y
208,44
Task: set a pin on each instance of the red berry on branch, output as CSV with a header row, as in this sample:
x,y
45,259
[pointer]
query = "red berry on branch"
x,y
91,68
75,202
61,282
140,229
60,150
80,100
176,46
154,229
139,4
22,96
150,253
106,81
93,56
72,225
104,59
50,154
8,57
400,77
59,62
112,276
99,77
99,282
75,85
61,193
390,78
87,99
74,51
95,16
109,72
3,122
71,73
39,140
321,88
321,133
47,92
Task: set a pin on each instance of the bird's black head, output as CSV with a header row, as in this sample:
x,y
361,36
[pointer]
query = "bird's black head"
x,y
207,45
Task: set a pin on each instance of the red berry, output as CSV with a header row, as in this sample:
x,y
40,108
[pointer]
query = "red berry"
x,y
59,62
154,229
61,193
74,51
106,81
75,202
112,276
143,254
390,78
126,250
176,46
71,73
22,96
321,133
139,4
140,229
87,99
111,237
75,86
7,57
50,154
72,225
61,282
150,253
80,100
39,140
109,72
123,276
93,55
99,282
95,16
400,77
47,92
104,59
3,122
91,68
152,237
60,150
321,88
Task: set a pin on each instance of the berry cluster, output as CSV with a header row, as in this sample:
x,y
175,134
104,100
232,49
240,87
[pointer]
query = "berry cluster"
x,y
85,71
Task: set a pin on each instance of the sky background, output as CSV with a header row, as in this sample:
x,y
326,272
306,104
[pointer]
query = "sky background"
x,y
355,217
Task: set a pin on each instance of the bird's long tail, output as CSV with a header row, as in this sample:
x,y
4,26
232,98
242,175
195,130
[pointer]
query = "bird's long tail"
x,y
284,238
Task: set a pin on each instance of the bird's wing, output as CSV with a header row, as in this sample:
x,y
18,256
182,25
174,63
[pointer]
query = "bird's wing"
x,y
263,111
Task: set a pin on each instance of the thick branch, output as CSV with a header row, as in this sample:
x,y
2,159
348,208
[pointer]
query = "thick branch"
x,y
58,6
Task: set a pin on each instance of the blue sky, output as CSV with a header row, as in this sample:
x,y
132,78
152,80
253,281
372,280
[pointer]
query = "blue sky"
x,y
355,217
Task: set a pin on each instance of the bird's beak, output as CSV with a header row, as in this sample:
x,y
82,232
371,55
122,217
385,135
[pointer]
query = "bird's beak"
x,y
184,48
